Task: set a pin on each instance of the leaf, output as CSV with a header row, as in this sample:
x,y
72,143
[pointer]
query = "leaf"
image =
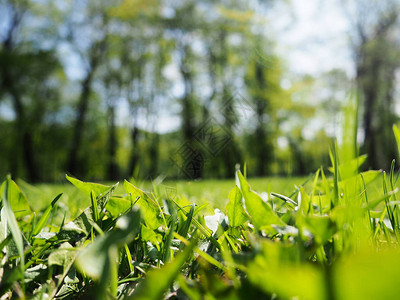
x,y
11,249
234,209
372,204
10,220
188,222
203,254
36,273
149,235
43,220
200,208
287,281
87,187
277,270
336,175
168,240
95,208
190,292
262,215
94,258
348,151
16,198
203,229
45,235
326,189
157,281
305,205
102,192
369,274
4,242
286,199
64,256
149,208
321,227
356,181
118,205
80,227
350,168
397,136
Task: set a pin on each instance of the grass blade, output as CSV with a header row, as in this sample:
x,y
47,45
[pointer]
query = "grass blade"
x,y
234,209
13,227
157,281
95,208
43,220
188,222
261,213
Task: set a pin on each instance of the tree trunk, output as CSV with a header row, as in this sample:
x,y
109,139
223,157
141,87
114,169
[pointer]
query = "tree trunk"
x,y
23,132
112,168
134,159
262,148
95,55
187,107
73,161
230,151
372,56
193,164
368,81
23,141
154,154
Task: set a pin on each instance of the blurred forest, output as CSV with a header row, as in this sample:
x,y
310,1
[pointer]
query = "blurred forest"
x,y
189,89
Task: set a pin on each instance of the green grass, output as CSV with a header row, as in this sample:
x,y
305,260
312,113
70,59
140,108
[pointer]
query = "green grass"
x,y
216,192
153,244
213,192
333,235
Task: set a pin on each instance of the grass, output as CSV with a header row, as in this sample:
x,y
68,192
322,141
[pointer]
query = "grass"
x,y
128,243
216,191
213,192
334,237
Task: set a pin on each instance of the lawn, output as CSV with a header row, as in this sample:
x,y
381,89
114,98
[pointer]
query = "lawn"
x,y
213,192
316,237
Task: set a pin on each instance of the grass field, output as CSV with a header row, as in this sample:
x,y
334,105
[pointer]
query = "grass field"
x,y
325,236
213,192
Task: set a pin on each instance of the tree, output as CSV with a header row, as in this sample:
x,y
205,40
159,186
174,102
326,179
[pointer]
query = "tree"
x,y
376,55
142,57
260,87
93,29
27,74
113,87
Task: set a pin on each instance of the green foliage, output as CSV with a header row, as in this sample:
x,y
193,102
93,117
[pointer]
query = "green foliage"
x,y
9,222
44,218
157,281
149,207
323,241
234,209
261,213
17,200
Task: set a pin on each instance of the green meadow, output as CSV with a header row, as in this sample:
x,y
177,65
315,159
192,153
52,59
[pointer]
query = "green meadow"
x,y
331,235
213,192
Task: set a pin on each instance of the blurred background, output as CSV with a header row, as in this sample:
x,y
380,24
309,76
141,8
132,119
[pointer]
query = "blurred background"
x,y
104,90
